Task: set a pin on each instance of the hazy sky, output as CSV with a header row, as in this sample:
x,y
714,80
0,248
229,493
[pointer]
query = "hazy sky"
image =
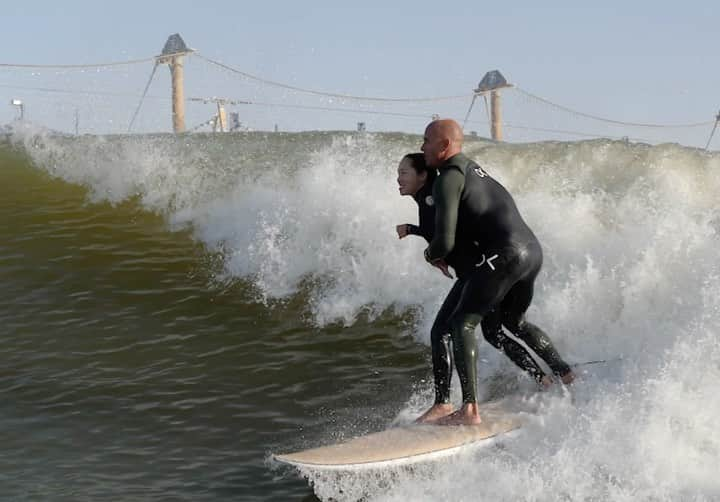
x,y
645,61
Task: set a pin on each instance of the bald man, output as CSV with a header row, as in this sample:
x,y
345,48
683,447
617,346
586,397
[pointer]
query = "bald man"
x,y
496,257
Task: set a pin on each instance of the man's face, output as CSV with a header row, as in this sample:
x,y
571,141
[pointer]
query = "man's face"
x,y
433,147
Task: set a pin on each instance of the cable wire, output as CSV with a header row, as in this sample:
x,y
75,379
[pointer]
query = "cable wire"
x,y
142,98
609,121
712,133
329,94
572,133
467,115
80,92
90,65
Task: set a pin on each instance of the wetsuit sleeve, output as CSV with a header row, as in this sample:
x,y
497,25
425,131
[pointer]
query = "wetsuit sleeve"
x,y
425,232
413,229
446,192
426,218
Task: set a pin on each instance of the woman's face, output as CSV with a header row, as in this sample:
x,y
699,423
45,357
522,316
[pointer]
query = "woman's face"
x,y
408,178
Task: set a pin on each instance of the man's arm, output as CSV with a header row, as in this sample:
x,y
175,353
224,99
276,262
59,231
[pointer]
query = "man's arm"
x,y
446,192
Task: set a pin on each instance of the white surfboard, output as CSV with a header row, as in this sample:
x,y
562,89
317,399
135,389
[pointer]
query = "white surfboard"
x,y
401,445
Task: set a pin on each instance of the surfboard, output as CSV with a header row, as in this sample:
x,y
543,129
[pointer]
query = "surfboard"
x,y
409,444
402,445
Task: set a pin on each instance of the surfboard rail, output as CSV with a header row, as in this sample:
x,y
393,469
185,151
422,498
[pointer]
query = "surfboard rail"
x,y
402,445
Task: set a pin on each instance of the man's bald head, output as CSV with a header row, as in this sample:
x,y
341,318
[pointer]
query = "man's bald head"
x,y
443,139
447,129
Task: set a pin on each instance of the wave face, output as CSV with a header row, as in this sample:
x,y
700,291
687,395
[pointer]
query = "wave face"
x,y
302,225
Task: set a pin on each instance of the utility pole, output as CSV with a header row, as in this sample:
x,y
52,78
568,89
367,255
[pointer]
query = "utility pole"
x,y
77,121
21,107
172,55
219,121
495,116
491,83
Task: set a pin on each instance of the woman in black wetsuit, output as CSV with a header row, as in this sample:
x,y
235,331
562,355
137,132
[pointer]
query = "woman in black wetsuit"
x,y
416,179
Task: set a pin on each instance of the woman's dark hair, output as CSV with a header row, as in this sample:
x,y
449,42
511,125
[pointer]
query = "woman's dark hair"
x,y
417,162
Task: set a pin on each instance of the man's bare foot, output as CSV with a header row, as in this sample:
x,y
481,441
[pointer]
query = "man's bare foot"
x,y
568,378
546,382
467,415
434,413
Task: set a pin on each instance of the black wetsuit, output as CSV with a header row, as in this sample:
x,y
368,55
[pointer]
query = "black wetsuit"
x,y
426,213
480,233
491,323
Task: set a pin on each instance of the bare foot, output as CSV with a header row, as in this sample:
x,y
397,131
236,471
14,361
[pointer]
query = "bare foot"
x,y
546,382
435,412
467,415
568,378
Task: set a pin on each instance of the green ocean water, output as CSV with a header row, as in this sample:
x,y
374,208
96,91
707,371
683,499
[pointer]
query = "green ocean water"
x,y
129,373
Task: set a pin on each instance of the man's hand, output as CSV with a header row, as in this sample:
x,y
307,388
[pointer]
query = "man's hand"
x,y
443,267
439,263
402,230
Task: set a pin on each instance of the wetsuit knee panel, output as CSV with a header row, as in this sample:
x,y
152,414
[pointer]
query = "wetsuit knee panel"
x,y
464,323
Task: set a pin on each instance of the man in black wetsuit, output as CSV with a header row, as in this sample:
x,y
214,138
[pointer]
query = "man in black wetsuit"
x,y
416,179
496,257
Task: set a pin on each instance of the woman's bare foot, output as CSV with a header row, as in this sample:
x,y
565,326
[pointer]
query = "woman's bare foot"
x,y
436,412
467,415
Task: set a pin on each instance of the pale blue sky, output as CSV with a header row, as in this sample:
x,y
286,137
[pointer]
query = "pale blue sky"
x,y
635,61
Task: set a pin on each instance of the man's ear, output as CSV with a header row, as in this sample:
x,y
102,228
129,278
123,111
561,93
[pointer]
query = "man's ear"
x,y
445,144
